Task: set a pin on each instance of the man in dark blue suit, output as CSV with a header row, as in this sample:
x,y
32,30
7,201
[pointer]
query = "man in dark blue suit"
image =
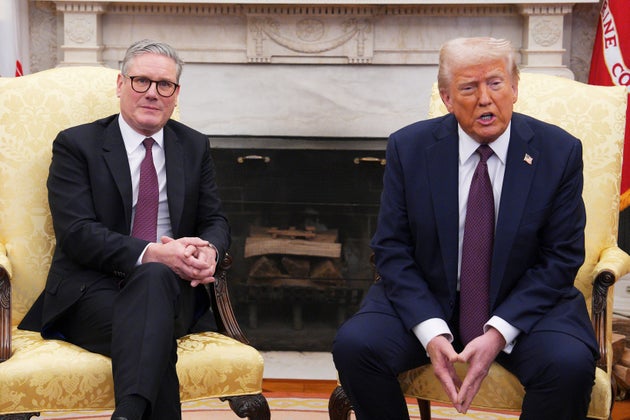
x,y
536,325
112,290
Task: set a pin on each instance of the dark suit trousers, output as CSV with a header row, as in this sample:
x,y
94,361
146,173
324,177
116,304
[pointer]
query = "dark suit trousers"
x,y
371,349
137,324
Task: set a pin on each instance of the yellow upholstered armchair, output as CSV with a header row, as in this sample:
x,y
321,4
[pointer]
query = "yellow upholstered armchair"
x,y
596,115
38,375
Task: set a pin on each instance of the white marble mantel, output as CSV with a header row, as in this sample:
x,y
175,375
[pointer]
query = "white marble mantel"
x,y
310,68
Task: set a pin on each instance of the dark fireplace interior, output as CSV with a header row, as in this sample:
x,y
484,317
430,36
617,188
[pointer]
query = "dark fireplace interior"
x,y
312,203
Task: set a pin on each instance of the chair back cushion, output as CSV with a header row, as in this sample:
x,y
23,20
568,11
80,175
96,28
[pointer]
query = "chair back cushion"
x,y
33,109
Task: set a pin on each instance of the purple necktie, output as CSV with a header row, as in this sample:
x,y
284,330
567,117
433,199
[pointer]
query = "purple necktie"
x,y
145,219
477,252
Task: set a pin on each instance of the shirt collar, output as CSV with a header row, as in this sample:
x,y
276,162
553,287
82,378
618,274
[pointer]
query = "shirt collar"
x,y
133,139
468,146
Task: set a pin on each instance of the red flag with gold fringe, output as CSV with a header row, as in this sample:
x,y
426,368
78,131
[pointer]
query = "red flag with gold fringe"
x,y
609,66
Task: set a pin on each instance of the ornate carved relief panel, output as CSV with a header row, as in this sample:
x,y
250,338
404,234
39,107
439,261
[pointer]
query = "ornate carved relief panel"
x,y
327,34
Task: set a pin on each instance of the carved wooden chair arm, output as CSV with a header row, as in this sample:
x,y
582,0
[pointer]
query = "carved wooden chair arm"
x,y
221,304
5,305
612,262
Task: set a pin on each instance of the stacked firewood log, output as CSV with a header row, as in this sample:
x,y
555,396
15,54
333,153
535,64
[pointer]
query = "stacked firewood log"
x,y
296,267
293,257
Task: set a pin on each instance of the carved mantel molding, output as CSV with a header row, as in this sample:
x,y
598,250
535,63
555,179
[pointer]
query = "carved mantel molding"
x,y
82,31
309,68
314,32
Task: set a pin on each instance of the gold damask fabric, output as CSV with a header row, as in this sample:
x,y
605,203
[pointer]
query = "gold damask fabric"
x,y
595,115
50,375
500,390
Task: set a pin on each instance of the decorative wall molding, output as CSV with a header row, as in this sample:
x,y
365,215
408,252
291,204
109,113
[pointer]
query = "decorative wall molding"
x,y
300,33
309,67
159,8
481,9
81,6
337,38
543,37
82,31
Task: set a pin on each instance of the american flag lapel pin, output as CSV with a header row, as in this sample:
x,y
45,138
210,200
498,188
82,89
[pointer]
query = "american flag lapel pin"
x,y
528,159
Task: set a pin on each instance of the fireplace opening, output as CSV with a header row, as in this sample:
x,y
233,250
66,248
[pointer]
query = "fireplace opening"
x,y
302,213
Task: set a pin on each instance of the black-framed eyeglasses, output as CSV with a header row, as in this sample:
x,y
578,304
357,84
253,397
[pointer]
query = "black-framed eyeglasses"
x,y
141,84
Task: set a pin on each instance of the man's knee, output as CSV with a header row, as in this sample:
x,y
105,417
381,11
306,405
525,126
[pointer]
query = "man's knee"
x,y
574,368
376,343
356,349
562,369
151,282
154,273
569,366
348,347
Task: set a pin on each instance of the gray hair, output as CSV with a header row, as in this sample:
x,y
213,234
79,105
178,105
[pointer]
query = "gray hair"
x,y
147,46
461,52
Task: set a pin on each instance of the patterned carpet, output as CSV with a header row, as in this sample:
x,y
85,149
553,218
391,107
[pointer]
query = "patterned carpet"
x,y
286,406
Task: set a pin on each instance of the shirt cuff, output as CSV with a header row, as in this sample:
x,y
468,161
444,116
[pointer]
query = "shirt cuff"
x,y
508,331
216,258
139,261
431,328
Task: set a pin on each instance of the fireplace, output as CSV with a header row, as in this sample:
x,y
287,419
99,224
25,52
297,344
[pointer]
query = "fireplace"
x,y
311,204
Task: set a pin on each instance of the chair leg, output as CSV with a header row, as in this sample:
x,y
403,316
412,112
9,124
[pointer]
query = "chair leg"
x,y
425,409
254,407
339,406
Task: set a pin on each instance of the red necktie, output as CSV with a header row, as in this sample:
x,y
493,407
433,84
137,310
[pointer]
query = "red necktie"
x,y
477,252
145,219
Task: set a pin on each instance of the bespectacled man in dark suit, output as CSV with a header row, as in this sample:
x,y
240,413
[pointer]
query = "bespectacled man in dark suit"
x,y
109,290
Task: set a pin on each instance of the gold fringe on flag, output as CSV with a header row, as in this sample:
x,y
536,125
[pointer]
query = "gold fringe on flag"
x,y
624,202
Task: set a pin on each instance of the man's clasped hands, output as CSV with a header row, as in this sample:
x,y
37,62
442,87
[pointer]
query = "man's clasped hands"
x,y
192,259
478,354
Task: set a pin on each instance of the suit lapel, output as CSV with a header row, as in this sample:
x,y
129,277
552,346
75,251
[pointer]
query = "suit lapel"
x,y
442,163
520,168
175,178
116,159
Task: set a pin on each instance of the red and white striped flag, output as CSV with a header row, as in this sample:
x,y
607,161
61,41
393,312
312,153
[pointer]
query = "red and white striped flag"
x,y
14,36
609,66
